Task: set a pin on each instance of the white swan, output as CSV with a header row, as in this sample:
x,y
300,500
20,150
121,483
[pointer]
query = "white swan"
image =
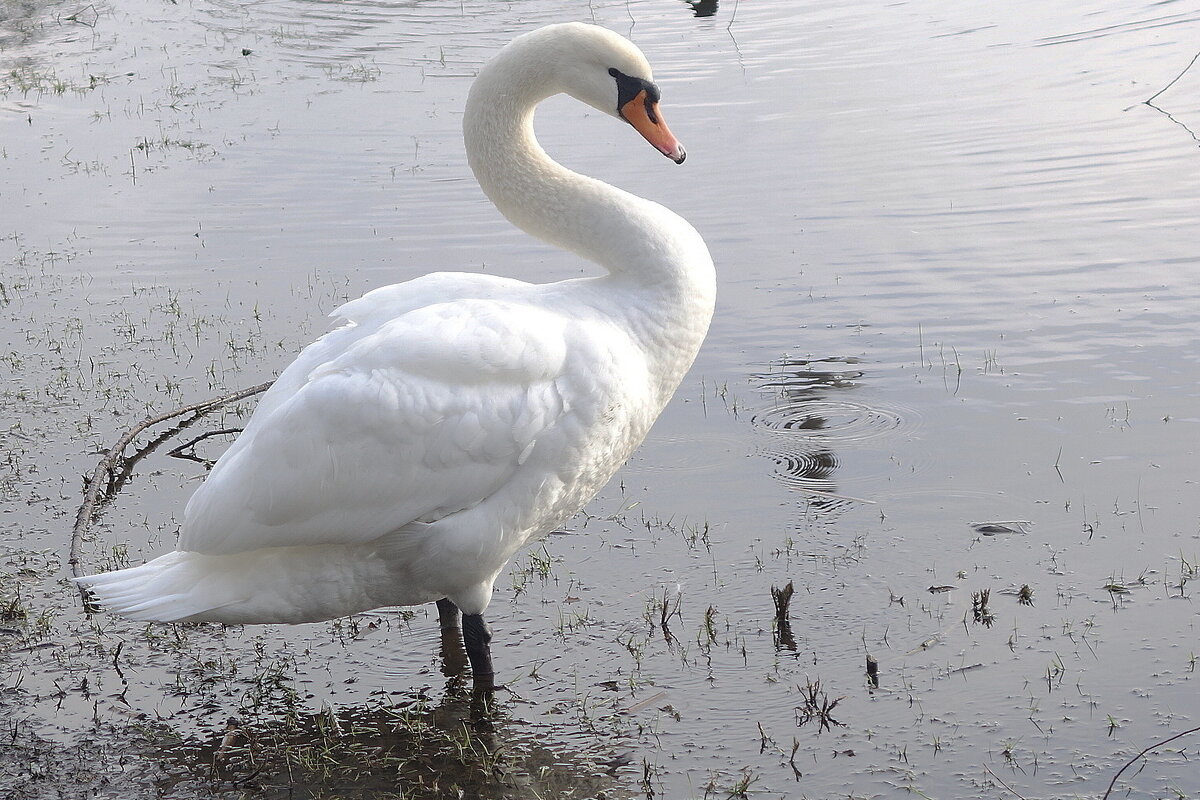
x,y
405,456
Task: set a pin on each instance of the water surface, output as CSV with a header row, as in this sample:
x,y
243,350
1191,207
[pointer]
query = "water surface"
x,y
957,263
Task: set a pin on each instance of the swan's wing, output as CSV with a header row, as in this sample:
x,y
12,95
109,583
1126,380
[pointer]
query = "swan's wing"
x,y
365,315
428,415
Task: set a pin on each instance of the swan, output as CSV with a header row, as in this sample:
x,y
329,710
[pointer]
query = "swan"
x,y
404,457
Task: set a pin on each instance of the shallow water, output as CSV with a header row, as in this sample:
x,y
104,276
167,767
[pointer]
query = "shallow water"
x,y
957,265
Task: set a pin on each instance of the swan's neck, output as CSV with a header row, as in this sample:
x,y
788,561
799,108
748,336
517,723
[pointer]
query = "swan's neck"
x,y
631,237
657,263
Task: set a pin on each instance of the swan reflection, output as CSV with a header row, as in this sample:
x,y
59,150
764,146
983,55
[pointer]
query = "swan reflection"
x,y
455,746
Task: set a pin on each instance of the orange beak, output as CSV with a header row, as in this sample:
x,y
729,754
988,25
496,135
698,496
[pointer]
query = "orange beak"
x,y
643,114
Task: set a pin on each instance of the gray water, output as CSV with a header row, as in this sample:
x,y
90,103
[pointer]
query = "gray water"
x,y
957,260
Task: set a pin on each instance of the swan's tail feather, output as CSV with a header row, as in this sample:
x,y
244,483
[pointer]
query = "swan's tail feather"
x,y
174,587
273,584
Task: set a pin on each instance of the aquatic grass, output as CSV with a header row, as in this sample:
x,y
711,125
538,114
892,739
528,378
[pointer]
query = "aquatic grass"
x,y
573,620
659,610
20,614
816,705
708,633
1055,672
1188,571
406,748
13,609
358,72
647,780
29,79
741,787
980,612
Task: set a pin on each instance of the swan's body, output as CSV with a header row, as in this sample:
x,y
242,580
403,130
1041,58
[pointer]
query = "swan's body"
x,y
405,456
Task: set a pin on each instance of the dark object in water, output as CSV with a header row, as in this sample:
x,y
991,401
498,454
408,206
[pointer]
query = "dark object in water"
x,y
783,599
783,628
703,8
1001,526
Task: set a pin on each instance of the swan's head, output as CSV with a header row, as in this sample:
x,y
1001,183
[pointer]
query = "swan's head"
x,y
608,72
637,104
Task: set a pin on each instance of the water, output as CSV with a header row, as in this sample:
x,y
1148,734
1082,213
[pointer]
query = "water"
x,y
957,284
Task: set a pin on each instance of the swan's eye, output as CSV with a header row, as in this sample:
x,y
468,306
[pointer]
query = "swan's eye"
x,y
628,88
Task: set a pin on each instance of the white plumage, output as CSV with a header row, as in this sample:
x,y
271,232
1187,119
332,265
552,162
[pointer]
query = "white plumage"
x,y
405,456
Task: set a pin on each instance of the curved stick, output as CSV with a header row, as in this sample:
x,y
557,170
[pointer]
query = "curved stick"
x,y
1131,761
1150,102
94,489
1002,783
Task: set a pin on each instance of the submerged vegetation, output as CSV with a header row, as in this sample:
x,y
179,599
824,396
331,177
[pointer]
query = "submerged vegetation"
x,y
391,748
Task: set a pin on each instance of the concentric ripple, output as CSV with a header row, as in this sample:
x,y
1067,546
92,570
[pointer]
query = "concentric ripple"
x,y
812,473
836,420
805,470
810,417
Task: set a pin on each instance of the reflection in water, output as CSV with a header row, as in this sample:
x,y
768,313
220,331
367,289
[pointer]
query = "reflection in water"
x,y
703,8
407,745
804,420
784,639
816,411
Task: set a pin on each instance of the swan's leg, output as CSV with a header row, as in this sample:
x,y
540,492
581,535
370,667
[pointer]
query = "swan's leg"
x,y
478,637
448,615
454,659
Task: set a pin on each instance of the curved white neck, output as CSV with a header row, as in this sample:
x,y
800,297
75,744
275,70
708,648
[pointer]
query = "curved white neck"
x,y
627,235
644,246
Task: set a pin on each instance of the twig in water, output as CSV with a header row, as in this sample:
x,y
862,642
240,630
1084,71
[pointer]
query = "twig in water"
x,y
1150,101
1133,760
95,489
178,452
1002,783
1168,114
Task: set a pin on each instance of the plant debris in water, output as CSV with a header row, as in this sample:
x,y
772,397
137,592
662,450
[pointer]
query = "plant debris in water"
x,y
816,705
384,750
979,608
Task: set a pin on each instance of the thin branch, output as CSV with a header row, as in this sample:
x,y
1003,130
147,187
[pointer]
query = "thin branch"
x,y
178,452
123,469
1172,83
1002,783
1171,117
1131,761
104,477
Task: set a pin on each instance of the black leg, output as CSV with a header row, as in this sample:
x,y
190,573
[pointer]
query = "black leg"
x,y
454,657
477,638
448,615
